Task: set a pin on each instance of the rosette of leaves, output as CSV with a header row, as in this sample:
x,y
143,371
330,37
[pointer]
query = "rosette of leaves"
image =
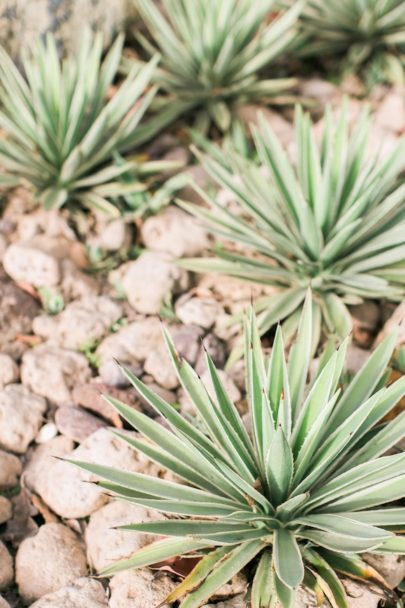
x,y
335,221
214,53
62,130
366,35
297,501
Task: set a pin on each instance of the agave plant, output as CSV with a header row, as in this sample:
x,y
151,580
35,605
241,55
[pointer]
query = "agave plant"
x,y
335,222
297,502
213,52
62,132
365,33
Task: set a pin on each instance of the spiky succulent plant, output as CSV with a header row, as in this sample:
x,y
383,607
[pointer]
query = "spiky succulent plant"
x,y
213,52
61,131
335,221
297,501
365,34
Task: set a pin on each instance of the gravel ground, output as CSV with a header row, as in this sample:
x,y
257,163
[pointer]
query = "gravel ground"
x,y
55,530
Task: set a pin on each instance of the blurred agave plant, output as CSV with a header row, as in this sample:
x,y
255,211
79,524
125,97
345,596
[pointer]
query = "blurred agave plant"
x,y
336,222
365,33
61,130
213,52
298,501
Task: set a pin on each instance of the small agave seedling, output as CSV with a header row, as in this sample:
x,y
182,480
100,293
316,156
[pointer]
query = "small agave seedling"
x,y
335,222
367,35
62,133
297,502
213,51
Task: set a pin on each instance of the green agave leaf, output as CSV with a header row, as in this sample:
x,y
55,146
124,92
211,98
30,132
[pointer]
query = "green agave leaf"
x,y
393,545
344,526
144,483
300,356
341,544
230,565
279,467
262,584
381,517
199,573
334,590
156,552
287,558
365,380
285,594
352,566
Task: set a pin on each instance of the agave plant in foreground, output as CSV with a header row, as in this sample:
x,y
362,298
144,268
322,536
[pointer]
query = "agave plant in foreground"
x,y
366,34
297,502
62,133
335,222
213,51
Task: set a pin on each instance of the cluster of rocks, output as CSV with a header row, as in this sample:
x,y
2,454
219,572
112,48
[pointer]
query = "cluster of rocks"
x,y
57,528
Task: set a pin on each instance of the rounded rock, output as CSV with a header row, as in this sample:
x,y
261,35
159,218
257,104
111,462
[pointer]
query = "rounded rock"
x,y
52,372
51,559
82,322
28,264
6,567
82,593
20,417
76,423
106,544
8,370
176,232
6,509
10,470
64,487
150,279
140,588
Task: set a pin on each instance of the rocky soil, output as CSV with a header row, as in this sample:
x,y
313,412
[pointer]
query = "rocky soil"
x,y
56,530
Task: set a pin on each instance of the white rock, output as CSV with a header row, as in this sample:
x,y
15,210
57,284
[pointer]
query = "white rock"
x,y
114,235
234,602
160,367
391,567
281,127
176,232
47,432
6,567
198,311
396,321
140,589
355,358
150,279
6,509
106,545
28,264
20,417
391,113
81,593
51,559
3,246
362,596
43,457
52,372
64,487
8,370
3,603
75,284
82,322
10,470
321,89
132,343
381,142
